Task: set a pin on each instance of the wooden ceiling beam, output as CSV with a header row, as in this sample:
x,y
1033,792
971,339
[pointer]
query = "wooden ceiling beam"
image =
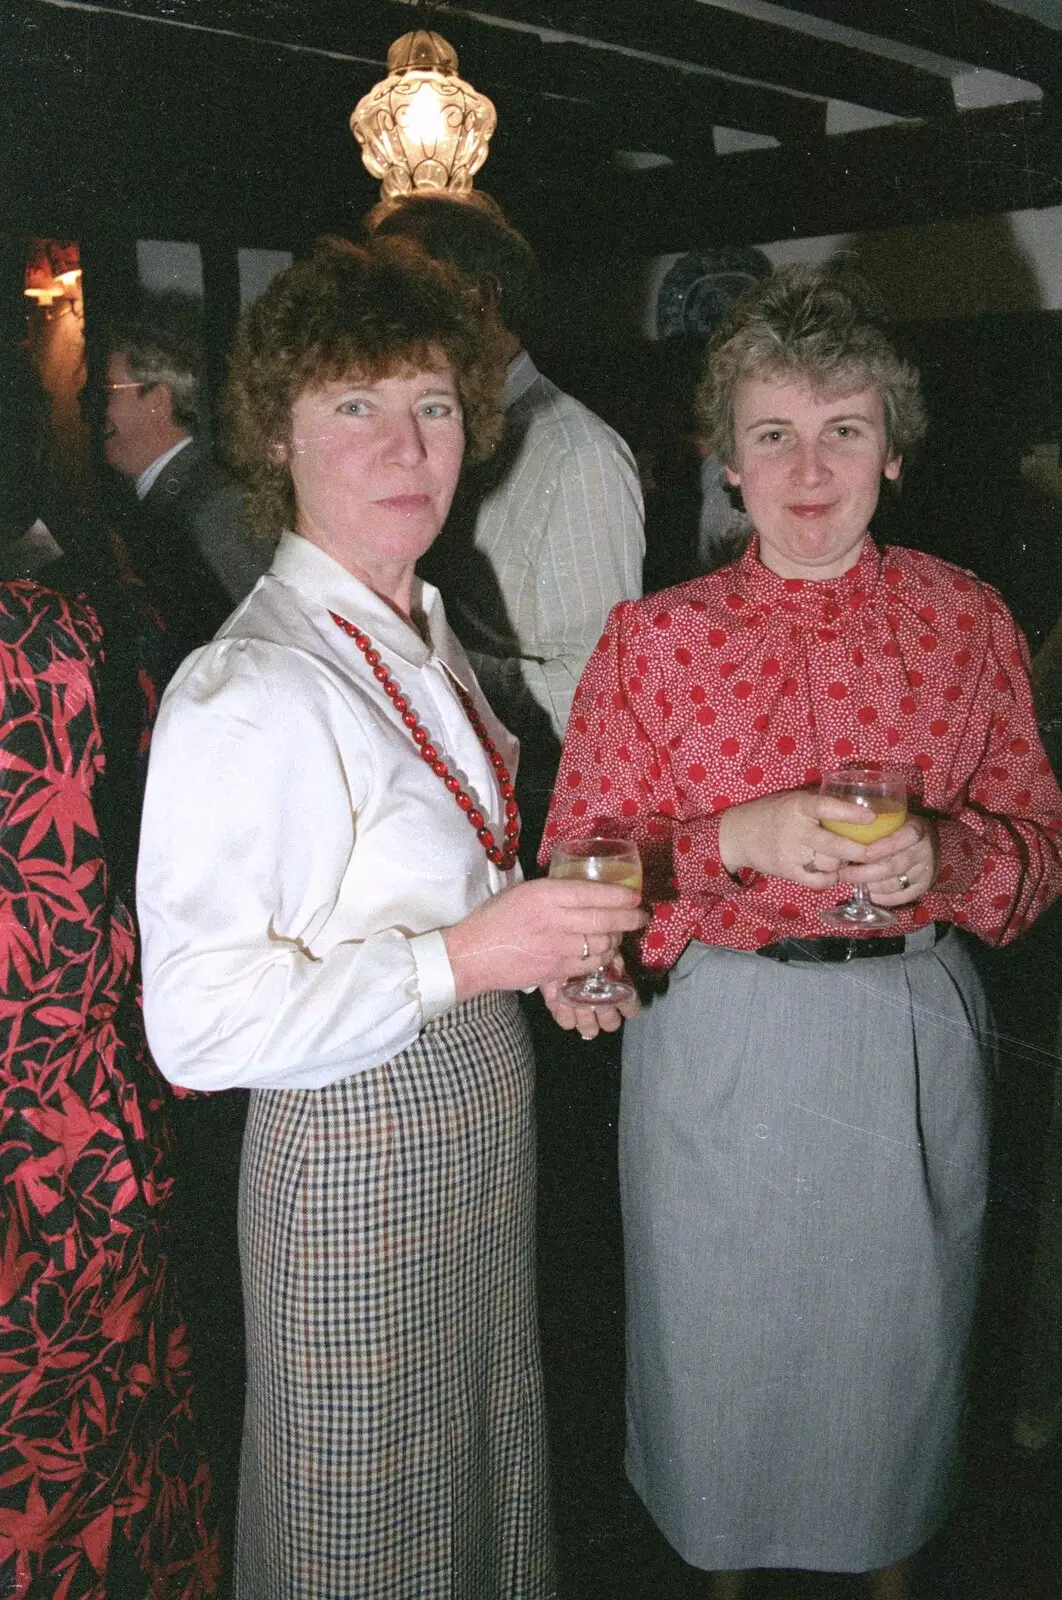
x,y
974,163
722,42
360,27
633,92
728,43
973,31
497,61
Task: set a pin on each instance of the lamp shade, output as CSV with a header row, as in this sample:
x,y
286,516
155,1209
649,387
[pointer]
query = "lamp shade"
x,y
423,127
53,269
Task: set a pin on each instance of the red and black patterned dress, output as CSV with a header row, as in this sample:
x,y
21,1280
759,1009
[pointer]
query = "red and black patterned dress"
x,y
96,1433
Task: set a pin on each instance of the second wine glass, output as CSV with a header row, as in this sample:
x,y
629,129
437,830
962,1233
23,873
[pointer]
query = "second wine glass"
x,y
883,794
598,861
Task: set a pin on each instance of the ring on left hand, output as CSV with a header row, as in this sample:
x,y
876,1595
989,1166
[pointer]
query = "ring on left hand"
x,y
903,880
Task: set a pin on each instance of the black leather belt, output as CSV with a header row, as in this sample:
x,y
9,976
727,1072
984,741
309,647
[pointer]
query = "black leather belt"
x,y
833,949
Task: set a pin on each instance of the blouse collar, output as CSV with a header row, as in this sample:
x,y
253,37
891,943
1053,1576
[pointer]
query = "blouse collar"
x,y
824,598
320,578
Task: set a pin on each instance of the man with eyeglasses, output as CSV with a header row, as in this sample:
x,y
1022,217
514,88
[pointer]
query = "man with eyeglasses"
x,y
187,540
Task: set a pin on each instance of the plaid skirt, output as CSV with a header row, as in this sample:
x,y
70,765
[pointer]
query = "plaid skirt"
x,y
394,1443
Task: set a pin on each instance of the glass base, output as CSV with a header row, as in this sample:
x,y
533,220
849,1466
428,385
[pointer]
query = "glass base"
x,y
598,989
857,914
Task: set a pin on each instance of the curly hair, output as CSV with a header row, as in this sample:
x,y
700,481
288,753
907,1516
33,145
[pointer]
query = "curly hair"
x,y
821,326
375,311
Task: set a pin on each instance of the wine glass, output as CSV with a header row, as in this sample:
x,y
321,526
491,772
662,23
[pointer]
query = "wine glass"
x,y
599,861
883,793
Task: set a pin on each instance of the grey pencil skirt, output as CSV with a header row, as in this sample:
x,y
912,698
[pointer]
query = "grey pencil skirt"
x,y
803,1169
394,1445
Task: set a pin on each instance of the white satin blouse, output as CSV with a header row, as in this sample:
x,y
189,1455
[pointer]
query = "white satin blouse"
x,y
298,857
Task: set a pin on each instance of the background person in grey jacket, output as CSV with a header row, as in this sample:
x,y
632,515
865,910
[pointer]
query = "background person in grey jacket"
x,y
186,535
187,540
545,538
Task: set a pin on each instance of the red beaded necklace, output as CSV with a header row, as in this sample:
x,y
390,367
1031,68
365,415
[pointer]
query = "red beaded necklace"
x,y
503,857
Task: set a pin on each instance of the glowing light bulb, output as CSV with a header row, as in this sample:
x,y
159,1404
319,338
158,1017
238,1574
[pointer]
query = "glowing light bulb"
x,y
423,127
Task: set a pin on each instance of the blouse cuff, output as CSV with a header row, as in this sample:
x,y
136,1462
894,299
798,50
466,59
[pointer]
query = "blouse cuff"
x,y
698,864
962,857
435,978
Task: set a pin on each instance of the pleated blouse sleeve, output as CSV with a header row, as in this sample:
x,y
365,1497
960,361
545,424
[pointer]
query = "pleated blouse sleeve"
x,y
669,729
1000,856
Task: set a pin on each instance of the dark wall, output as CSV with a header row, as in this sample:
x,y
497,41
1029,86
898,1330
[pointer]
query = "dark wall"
x,y
125,128
992,383
993,388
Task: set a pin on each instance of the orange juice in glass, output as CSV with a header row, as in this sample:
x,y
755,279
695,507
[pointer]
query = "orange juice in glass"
x,y
882,792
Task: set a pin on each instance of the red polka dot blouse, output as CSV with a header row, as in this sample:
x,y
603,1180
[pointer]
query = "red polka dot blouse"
x,y
744,683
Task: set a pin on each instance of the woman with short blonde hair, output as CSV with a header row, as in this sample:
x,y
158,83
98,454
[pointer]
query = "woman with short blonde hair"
x,y
803,1131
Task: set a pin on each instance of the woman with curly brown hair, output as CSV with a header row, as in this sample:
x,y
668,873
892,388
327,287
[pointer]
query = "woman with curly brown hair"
x,y
333,918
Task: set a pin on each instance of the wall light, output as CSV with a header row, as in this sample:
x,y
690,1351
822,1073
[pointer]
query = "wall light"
x,y
53,272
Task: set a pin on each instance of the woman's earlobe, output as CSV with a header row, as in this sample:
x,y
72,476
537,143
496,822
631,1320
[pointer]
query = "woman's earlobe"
x,y
278,453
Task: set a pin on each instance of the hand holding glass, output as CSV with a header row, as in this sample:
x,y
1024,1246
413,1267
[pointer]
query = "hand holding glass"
x,y
884,795
598,861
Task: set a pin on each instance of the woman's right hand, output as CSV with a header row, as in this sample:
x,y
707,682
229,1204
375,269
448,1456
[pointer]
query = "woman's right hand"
x,y
781,836
535,932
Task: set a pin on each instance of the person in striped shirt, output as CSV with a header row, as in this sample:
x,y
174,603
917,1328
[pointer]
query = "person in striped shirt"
x,y
543,541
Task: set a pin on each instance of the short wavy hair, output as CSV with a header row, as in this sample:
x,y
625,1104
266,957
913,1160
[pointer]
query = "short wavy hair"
x,y
162,344
373,310
821,326
472,233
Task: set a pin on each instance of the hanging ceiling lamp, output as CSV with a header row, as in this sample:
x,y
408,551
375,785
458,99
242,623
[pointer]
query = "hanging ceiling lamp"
x,y
423,127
